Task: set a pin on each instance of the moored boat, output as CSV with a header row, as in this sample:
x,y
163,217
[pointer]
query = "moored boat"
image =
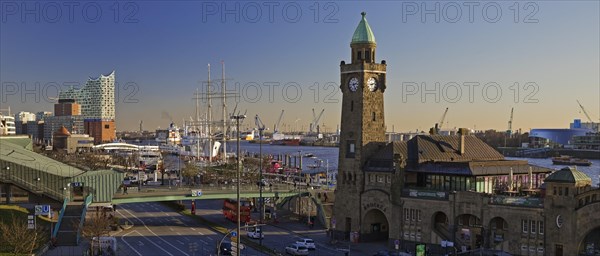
x,y
568,160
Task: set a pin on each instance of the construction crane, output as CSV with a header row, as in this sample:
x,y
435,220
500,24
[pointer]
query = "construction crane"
x,y
594,127
510,121
276,126
438,126
259,124
315,123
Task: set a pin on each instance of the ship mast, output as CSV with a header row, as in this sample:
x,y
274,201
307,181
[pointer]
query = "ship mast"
x,y
224,132
209,117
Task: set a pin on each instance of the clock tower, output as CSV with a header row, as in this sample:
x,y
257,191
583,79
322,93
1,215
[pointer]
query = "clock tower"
x,y
363,83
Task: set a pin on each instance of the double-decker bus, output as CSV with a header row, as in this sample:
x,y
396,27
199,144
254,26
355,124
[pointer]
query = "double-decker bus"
x,y
230,209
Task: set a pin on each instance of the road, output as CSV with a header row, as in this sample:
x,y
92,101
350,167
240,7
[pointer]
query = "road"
x,y
158,230
275,237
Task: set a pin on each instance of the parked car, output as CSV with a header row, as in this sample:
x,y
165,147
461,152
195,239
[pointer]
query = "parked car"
x,y
295,249
263,183
308,243
256,234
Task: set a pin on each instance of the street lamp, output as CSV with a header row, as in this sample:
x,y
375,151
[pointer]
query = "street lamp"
x,y
237,122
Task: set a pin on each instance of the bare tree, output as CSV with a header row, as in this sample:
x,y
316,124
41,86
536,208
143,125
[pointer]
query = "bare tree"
x,y
17,238
98,225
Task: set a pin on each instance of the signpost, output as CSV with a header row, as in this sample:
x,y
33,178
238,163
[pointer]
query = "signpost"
x,y
196,192
30,222
42,209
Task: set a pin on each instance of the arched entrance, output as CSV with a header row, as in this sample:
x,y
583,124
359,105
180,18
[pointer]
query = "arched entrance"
x,y
375,226
497,233
590,245
440,224
469,230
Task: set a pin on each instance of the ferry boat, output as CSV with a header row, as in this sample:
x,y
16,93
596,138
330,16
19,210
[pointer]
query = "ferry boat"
x,y
568,160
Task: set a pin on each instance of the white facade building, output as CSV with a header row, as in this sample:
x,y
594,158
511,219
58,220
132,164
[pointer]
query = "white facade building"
x,y
24,117
7,125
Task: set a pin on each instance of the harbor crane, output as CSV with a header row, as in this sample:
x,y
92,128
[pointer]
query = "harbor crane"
x,y
438,126
276,126
510,122
315,123
259,124
594,126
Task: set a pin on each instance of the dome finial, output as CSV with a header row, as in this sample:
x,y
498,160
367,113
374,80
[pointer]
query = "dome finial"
x,y
363,14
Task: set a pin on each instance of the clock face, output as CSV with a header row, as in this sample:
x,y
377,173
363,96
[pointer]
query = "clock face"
x,y
353,84
372,83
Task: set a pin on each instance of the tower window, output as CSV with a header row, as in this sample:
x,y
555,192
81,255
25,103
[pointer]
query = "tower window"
x,y
359,55
373,116
368,55
350,149
351,106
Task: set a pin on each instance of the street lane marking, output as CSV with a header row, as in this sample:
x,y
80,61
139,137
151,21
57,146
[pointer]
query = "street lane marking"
x,y
154,243
131,247
210,238
184,253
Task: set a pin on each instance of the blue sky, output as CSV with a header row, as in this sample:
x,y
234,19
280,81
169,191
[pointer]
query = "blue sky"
x,y
161,47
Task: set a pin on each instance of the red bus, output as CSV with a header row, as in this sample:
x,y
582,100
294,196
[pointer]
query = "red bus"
x,y
230,210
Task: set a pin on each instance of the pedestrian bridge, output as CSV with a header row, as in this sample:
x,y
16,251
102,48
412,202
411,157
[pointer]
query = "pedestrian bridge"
x,y
207,191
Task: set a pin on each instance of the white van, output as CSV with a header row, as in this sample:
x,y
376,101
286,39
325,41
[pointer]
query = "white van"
x,y
106,243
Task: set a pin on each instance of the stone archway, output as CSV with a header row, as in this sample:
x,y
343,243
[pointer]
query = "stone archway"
x,y
498,232
590,244
375,226
469,231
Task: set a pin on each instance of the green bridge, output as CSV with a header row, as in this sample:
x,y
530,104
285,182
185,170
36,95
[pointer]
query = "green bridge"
x,y
73,190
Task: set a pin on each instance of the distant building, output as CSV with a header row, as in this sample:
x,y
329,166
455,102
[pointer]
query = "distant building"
x,y
71,143
39,116
24,117
21,120
97,99
7,123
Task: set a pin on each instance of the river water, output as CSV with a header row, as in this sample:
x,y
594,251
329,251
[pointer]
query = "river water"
x,y
330,155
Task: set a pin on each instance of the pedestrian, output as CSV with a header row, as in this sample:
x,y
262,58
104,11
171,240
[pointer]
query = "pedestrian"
x,y
270,186
125,190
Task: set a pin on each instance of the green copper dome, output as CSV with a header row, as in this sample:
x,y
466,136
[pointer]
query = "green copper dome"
x,y
569,175
363,33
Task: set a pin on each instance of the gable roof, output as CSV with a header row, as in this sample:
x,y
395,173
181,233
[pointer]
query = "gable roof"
x,y
446,148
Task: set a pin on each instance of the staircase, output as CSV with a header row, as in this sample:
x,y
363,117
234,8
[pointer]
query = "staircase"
x,y
69,227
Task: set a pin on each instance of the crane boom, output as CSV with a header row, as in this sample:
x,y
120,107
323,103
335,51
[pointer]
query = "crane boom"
x,y
276,126
443,119
585,112
259,124
316,120
510,121
594,126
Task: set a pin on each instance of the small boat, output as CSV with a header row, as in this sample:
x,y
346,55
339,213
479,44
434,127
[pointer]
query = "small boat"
x,y
309,155
568,160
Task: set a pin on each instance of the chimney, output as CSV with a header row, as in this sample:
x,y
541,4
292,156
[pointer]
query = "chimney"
x,y
461,145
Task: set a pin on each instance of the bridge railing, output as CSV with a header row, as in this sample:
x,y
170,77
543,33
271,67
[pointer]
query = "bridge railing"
x,y
10,177
60,218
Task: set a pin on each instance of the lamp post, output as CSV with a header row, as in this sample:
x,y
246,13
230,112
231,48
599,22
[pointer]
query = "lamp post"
x,y
237,122
261,184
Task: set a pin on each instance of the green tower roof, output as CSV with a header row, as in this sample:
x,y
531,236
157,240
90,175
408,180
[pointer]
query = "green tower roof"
x,y
363,33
